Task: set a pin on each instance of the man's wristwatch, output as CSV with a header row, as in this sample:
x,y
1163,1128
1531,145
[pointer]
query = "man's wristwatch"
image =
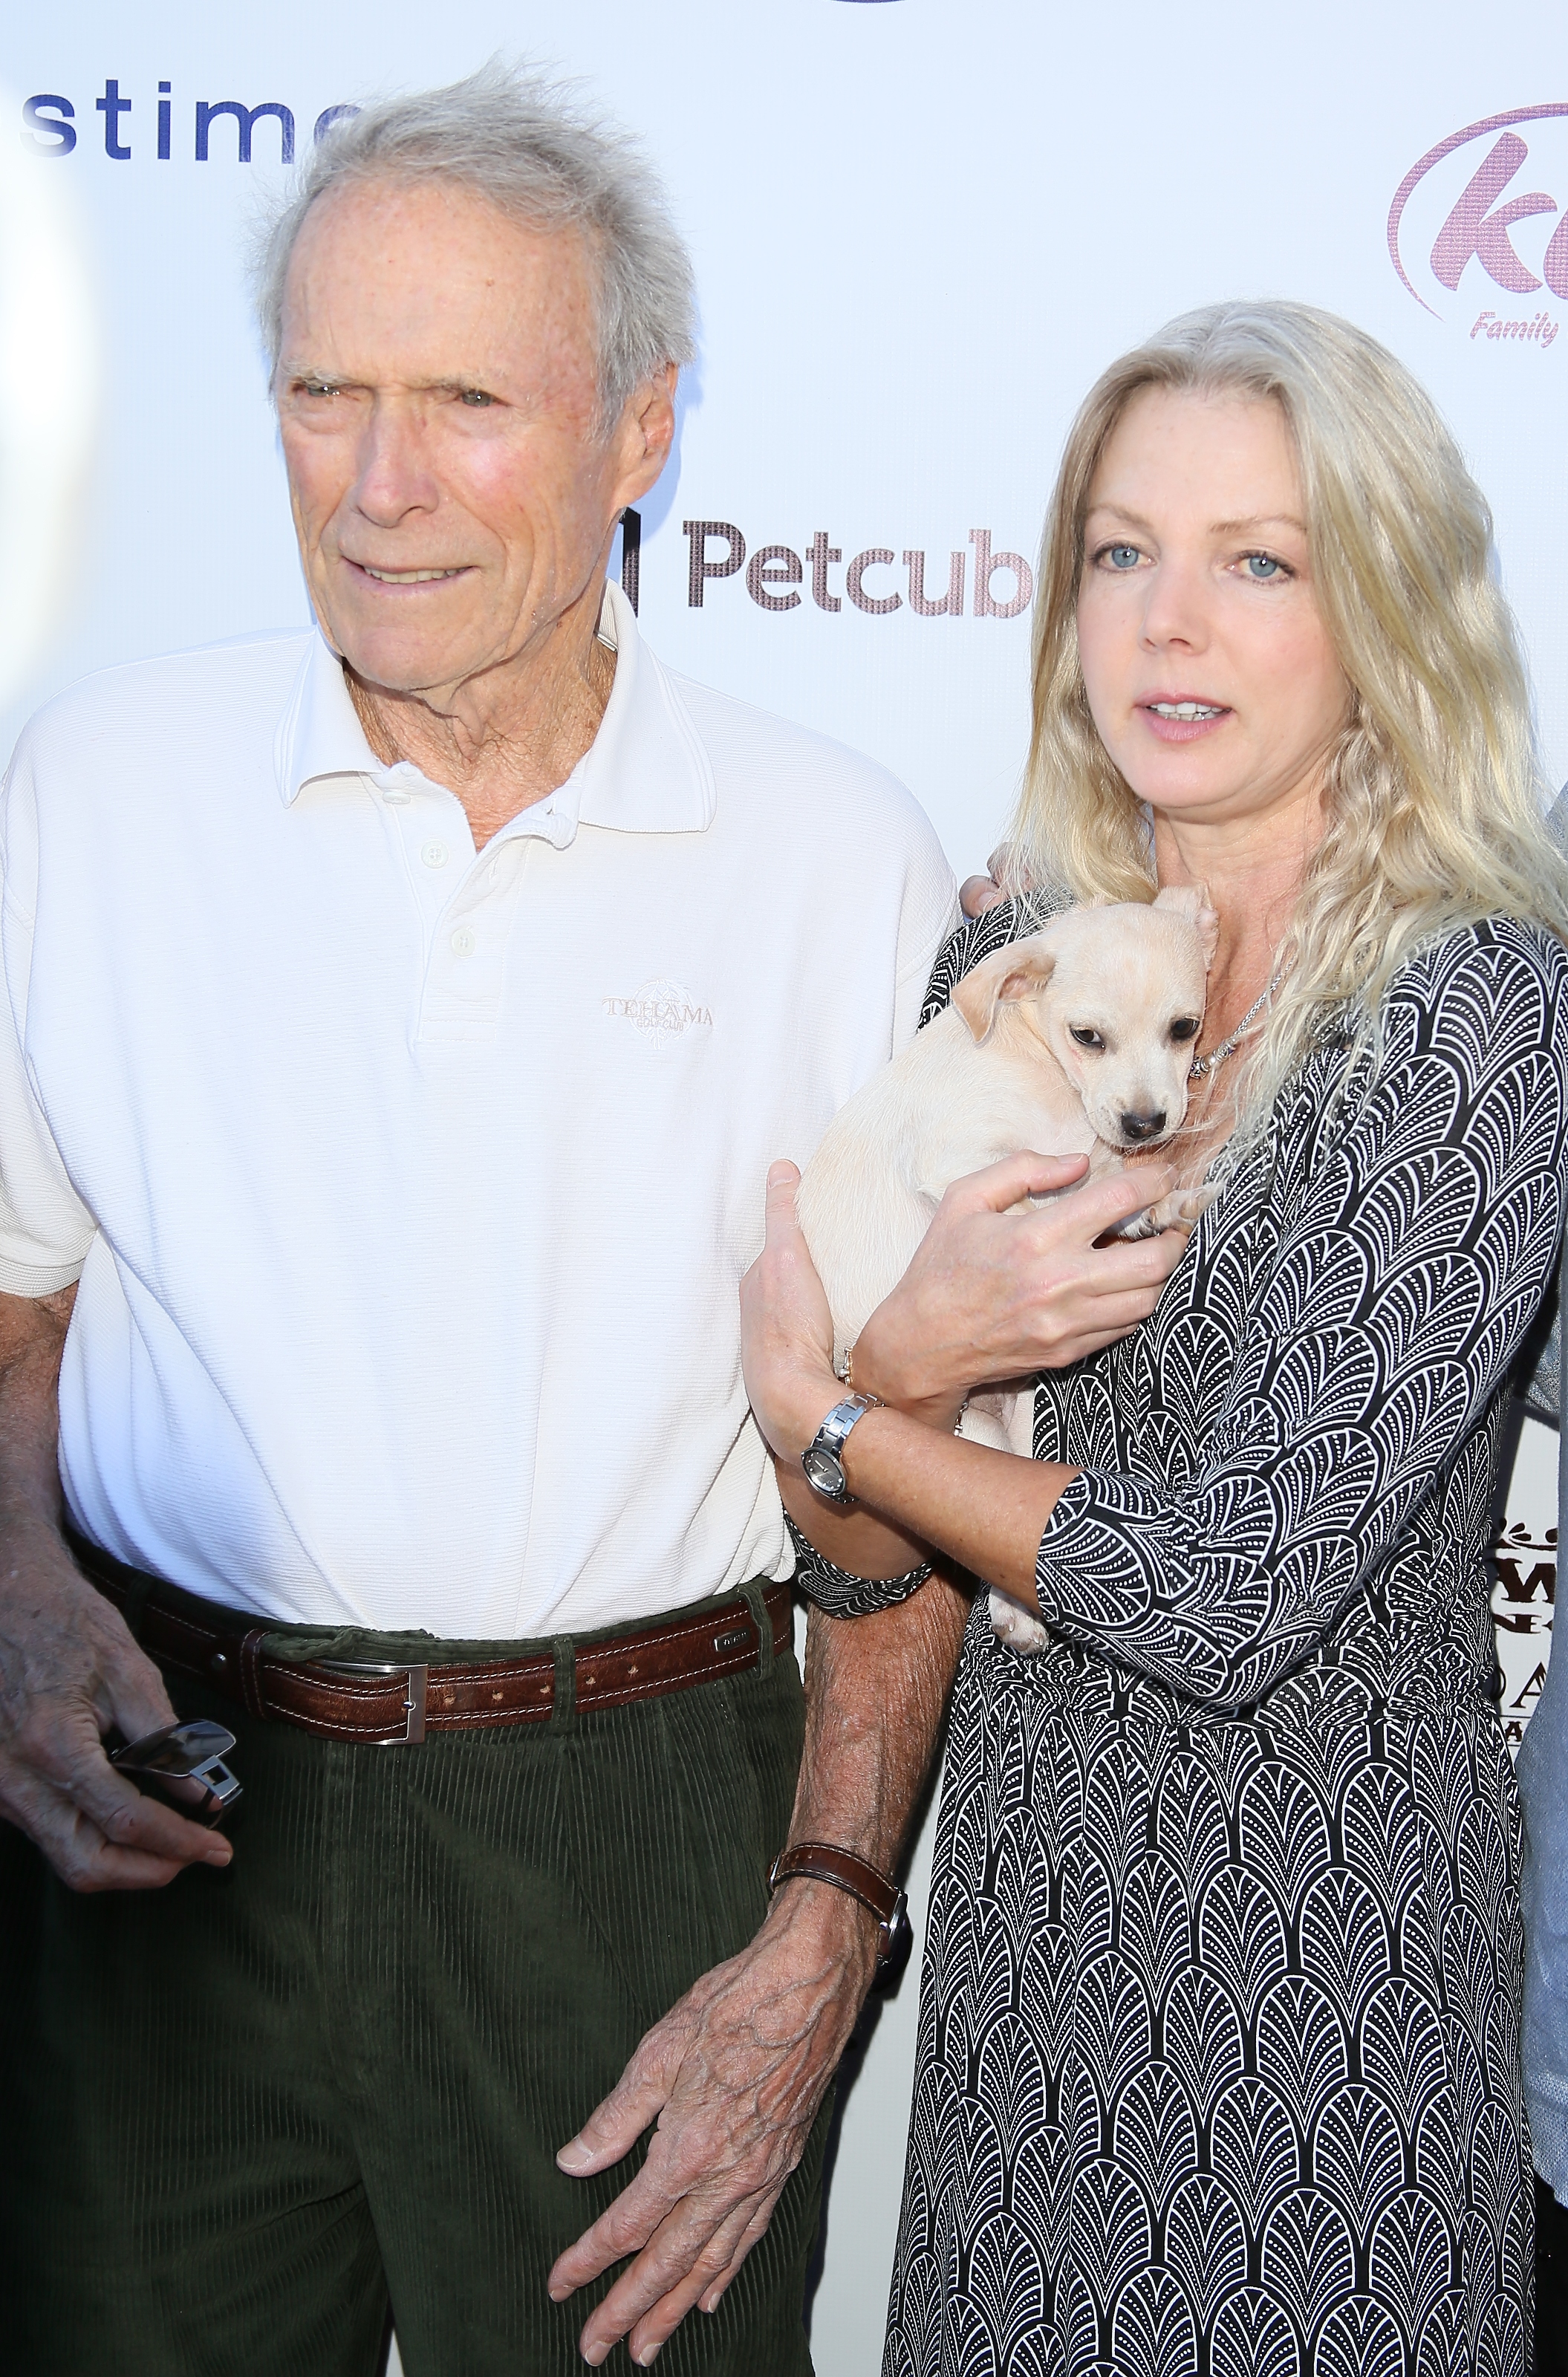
x,y
819,1861
822,1459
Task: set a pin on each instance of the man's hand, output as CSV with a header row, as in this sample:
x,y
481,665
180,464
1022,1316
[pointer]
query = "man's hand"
x,y
734,2075
69,1670
979,893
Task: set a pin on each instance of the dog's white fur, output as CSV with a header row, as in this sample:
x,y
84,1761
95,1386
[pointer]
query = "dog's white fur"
x,y
1002,1071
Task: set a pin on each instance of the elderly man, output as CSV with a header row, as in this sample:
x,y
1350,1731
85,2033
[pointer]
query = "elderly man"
x,y
401,1019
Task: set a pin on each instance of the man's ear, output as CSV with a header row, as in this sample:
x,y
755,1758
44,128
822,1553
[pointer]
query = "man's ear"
x,y
1010,975
1192,900
646,432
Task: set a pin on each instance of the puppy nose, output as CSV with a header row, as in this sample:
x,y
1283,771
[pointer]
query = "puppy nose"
x,y
1137,1127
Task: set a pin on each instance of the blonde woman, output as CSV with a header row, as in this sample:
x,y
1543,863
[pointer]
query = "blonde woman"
x,y
1218,2062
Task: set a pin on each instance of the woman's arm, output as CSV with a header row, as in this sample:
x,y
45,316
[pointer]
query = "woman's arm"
x,y
915,1482
982,1511
990,1294
1399,1288
1414,1255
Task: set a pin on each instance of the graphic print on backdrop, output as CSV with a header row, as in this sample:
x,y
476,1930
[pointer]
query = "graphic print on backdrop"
x,y
1471,232
1523,1561
51,126
775,571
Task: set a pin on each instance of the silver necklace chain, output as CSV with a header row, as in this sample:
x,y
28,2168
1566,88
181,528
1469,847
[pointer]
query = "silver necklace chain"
x,y
1202,1065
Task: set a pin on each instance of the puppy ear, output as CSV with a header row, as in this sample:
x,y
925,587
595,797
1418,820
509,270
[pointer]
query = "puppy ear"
x,y
1192,900
1000,980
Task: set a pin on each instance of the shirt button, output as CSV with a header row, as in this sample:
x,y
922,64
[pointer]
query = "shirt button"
x,y
463,943
433,853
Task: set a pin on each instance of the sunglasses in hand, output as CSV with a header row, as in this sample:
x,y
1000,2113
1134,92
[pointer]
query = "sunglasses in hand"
x,y
184,1764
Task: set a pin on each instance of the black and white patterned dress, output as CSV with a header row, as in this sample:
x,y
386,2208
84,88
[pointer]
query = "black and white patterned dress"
x,y
1218,2065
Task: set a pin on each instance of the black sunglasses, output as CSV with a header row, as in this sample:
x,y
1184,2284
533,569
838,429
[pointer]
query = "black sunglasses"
x,y
184,1764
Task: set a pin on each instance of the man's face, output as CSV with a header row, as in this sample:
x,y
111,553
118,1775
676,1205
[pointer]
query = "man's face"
x,y
436,396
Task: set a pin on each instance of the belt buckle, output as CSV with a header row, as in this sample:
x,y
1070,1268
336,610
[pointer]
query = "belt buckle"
x,y
414,1704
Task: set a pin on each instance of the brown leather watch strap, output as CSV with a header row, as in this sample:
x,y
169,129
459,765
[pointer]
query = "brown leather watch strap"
x,y
820,1861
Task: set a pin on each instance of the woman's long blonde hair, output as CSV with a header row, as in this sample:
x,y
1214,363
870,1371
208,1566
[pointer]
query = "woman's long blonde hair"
x,y
1434,792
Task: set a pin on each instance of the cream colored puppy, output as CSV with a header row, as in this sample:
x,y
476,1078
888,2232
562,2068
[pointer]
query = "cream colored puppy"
x,y
1076,1041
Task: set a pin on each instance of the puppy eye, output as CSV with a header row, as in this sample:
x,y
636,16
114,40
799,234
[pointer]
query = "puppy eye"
x,y
1086,1037
1185,1028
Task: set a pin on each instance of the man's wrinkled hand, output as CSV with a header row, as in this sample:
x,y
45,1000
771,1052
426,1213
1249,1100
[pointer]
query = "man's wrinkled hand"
x,y
733,2076
70,1672
979,893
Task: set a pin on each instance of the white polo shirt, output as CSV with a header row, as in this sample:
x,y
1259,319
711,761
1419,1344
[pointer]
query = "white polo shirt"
x,y
409,1188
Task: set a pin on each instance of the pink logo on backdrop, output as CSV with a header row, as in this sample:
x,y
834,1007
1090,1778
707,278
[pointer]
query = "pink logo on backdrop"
x,y
1475,221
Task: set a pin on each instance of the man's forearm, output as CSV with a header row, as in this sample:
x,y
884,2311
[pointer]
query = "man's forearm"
x,y
32,1339
876,1694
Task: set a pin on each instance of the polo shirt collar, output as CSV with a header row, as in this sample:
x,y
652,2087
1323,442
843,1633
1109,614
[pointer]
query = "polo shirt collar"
x,y
645,771
319,733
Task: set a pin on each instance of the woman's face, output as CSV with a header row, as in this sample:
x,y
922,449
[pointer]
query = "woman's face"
x,y
1209,671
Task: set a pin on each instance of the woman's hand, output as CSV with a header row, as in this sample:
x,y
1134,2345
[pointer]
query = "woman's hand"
x,y
786,1330
786,1346
994,1294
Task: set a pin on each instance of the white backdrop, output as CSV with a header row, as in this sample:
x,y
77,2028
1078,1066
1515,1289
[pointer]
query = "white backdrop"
x,y
920,229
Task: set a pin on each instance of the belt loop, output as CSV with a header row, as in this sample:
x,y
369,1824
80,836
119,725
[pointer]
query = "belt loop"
x,y
563,1707
250,1670
756,1596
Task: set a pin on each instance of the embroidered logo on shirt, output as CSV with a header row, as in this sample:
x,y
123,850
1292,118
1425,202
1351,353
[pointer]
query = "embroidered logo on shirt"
x,y
661,1012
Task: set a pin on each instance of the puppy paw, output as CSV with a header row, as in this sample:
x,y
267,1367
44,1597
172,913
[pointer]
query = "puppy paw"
x,y
1012,1625
1184,1209
1179,1211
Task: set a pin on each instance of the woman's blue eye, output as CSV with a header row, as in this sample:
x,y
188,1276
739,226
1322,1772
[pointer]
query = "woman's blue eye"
x,y
1123,557
1263,566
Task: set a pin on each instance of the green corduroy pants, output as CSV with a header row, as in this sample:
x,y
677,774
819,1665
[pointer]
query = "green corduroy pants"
x,y
237,2114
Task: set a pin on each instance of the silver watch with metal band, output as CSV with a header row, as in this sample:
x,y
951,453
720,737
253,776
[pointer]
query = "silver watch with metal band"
x,y
822,1459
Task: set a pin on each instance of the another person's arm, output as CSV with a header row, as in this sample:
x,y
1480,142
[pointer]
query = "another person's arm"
x,y
69,1670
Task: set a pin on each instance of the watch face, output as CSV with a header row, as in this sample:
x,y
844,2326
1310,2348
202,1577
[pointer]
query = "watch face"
x,y
823,1471
891,1965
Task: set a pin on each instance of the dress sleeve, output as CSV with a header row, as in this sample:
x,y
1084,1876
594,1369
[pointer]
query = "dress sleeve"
x,y
1405,1266
45,1230
838,1593
980,936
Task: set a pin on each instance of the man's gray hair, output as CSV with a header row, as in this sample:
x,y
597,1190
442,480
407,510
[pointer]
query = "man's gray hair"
x,y
530,148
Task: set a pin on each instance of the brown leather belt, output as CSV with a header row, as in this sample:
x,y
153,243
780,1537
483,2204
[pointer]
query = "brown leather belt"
x,y
384,1705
